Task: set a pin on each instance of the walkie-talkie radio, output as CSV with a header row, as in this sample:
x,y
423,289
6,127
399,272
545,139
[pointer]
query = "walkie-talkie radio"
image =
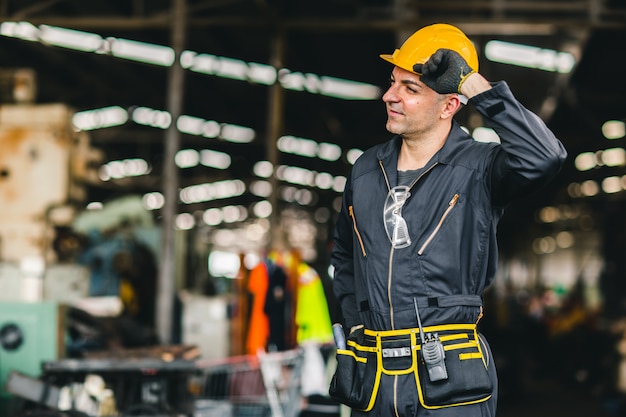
x,y
431,352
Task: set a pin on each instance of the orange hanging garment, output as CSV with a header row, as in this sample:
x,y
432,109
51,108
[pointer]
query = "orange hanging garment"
x,y
259,328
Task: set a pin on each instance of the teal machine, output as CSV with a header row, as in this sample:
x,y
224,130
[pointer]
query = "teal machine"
x,y
30,333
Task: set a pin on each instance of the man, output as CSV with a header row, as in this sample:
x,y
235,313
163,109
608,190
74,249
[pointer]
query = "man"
x,y
415,242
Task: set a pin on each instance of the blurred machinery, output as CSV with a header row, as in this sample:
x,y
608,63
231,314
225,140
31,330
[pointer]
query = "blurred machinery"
x,y
30,333
45,165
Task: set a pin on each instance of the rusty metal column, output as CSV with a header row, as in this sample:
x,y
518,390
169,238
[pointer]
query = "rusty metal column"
x,y
164,313
274,130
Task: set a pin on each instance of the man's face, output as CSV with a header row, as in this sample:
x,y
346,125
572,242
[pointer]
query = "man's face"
x,y
412,107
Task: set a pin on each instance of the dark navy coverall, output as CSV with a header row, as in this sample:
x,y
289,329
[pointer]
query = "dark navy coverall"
x,y
452,215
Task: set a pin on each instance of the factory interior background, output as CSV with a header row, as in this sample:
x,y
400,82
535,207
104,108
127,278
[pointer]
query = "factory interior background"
x,y
164,163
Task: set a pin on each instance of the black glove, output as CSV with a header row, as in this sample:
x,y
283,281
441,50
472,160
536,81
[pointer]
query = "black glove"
x,y
358,335
445,71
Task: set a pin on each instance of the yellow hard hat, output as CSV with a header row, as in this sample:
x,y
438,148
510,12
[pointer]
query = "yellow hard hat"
x,y
426,41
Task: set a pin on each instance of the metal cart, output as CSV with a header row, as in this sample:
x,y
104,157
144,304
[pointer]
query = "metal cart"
x,y
265,385
262,385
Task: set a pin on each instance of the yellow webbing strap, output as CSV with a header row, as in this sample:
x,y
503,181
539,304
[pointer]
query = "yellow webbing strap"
x,y
428,329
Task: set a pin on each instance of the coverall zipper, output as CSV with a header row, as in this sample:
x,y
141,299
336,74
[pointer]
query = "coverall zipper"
x,y
393,326
451,205
395,396
389,278
426,171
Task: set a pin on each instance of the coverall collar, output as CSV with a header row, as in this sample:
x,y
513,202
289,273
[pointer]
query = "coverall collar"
x,y
388,153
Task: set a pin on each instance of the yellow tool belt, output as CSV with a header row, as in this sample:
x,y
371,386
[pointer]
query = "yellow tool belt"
x,y
376,353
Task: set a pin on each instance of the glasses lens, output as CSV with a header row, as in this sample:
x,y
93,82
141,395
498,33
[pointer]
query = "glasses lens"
x,y
395,225
401,236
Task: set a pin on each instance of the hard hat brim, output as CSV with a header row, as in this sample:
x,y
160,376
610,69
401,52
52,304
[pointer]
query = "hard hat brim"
x,y
389,58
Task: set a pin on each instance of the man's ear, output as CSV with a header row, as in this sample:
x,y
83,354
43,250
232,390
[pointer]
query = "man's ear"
x,y
452,106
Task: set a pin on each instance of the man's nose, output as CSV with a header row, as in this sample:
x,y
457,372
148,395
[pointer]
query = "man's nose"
x,y
390,95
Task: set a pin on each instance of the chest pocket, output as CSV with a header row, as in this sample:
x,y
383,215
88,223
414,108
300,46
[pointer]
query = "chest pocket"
x,y
356,230
444,216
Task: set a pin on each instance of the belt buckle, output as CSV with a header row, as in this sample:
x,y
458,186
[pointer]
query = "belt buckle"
x,y
399,352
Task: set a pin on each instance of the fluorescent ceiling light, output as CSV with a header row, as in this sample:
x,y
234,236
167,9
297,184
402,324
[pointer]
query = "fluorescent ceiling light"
x,y
328,86
324,180
184,221
262,209
212,129
234,214
142,52
614,157
216,65
261,188
353,154
198,126
150,117
348,90
213,216
485,134
153,201
529,56
203,63
212,191
71,39
301,196
309,148
614,129
125,168
589,188
100,118
585,161
296,175
215,159
237,134
302,176
263,169
21,30
226,214
262,73
329,151
611,185
268,75
232,68
187,158
340,183
297,146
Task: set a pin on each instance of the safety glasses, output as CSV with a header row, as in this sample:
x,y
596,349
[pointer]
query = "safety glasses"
x,y
395,225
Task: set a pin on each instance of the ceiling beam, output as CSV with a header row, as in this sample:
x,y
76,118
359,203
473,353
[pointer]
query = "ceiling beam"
x,y
26,12
535,25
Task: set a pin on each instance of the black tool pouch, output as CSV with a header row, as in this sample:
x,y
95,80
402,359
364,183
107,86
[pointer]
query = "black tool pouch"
x,y
468,380
356,379
397,352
